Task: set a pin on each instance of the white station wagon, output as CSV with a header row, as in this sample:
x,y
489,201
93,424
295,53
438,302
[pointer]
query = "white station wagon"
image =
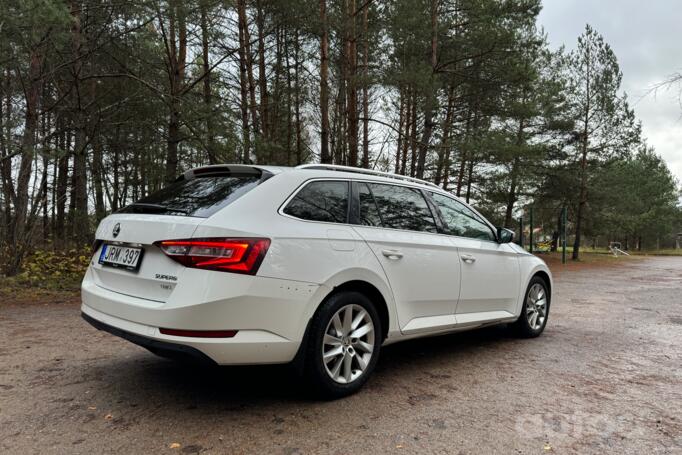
x,y
318,265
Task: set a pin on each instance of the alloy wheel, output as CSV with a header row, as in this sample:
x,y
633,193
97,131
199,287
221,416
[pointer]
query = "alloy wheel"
x,y
536,306
348,344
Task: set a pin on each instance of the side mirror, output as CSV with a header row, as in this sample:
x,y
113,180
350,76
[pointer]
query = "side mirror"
x,y
504,235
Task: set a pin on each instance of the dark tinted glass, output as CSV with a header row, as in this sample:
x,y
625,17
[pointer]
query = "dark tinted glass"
x,y
460,220
403,208
369,213
320,201
200,197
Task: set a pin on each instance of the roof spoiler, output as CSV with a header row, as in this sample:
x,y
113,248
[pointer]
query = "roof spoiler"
x,y
233,170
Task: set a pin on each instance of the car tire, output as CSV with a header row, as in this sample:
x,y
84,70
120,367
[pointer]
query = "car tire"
x,y
535,310
343,348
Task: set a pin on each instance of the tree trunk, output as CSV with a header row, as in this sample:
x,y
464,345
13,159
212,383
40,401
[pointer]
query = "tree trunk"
x,y
464,154
401,118
413,133
444,151
211,149
582,199
351,56
8,190
585,138
290,127
470,176
274,153
325,156
431,98
17,245
115,177
43,192
244,89
409,93
365,89
97,175
62,186
262,76
177,60
297,99
511,196
341,120
79,189
245,42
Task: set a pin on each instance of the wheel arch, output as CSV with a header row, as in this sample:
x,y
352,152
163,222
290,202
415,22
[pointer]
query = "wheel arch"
x,y
531,267
369,283
359,280
372,293
547,279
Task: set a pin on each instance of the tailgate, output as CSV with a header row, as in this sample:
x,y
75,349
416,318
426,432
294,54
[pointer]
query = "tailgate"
x,y
157,275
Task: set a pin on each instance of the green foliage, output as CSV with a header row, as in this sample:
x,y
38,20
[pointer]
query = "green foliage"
x,y
54,270
636,197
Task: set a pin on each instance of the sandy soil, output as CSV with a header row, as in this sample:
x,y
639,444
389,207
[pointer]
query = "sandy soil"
x,y
606,376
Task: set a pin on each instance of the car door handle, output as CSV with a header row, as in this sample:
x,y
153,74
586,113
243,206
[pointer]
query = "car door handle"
x,y
469,259
392,254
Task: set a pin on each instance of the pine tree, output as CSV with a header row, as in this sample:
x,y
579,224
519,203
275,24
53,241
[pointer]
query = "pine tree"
x,y
605,124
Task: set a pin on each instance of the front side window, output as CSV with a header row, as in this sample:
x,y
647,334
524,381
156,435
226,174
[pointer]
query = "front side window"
x,y
460,220
401,207
320,201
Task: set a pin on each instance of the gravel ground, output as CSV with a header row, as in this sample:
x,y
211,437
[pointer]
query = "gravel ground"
x,y
606,376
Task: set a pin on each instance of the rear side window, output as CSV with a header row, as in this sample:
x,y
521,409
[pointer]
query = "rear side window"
x,y
320,201
199,196
369,212
460,220
401,207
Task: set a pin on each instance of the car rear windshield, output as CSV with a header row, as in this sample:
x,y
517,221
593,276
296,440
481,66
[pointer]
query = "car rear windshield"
x,y
199,196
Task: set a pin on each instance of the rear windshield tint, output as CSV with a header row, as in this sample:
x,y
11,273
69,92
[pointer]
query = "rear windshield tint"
x,y
200,196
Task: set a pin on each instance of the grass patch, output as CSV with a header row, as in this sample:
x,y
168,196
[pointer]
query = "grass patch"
x,y
662,252
587,260
605,251
585,256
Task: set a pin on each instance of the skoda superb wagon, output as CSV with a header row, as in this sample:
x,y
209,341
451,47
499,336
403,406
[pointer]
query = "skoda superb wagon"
x,y
316,265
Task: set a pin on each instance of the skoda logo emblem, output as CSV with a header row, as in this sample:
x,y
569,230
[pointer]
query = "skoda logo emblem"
x,y
116,230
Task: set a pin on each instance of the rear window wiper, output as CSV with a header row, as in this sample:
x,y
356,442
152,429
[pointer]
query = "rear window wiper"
x,y
158,207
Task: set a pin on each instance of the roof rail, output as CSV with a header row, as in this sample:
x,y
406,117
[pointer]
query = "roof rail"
x,y
358,170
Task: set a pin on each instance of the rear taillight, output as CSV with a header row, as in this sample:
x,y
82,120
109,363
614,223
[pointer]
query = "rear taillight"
x,y
240,255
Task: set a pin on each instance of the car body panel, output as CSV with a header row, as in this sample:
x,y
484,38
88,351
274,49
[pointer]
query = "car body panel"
x,y
134,230
426,277
491,262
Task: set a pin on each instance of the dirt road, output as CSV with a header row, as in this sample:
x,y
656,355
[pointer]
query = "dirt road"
x,y
605,377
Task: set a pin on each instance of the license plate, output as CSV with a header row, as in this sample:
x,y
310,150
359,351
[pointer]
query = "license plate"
x,y
124,257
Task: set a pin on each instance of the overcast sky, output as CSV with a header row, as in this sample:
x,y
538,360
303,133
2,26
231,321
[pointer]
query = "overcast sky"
x,y
645,37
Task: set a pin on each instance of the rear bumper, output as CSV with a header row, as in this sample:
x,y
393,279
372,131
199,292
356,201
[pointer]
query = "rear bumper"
x,y
270,317
248,347
162,348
